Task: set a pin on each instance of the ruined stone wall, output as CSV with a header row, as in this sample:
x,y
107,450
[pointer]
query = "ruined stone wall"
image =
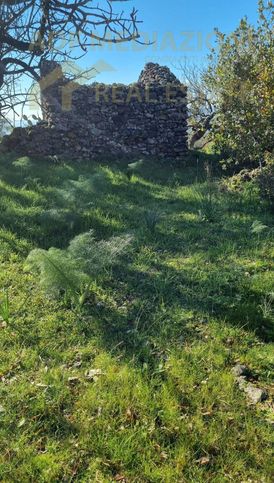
x,y
148,118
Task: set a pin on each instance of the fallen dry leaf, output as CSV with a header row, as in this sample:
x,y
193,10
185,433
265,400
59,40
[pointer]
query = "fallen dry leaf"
x,y
207,413
21,423
203,461
163,455
131,415
93,374
120,478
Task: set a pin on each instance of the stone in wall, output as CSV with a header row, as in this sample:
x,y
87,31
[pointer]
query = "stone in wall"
x,y
156,74
147,118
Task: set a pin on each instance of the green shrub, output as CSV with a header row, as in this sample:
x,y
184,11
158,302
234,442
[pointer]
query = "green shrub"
x,y
70,272
240,77
259,180
265,181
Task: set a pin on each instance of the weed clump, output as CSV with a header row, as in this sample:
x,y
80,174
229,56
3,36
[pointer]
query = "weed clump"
x,y
70,272
152,218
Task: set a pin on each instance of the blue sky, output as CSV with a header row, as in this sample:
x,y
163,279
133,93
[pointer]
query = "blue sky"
x,y
183,29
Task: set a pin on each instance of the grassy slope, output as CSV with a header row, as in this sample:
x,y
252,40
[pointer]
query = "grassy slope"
x,y
165,327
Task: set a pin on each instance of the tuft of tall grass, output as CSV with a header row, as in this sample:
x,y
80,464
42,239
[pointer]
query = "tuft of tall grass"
x,y
5,307
69,272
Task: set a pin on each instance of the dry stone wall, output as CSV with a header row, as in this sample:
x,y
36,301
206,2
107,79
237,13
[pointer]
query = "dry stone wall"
x,y
148,118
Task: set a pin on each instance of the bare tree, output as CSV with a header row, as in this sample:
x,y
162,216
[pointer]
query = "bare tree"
x,y
201,104
35,30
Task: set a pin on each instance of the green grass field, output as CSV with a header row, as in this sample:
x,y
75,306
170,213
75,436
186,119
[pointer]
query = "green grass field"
x,y
161,329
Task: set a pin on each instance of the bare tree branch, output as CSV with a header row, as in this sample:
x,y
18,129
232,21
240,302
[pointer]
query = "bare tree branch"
x,y
36,30
201,103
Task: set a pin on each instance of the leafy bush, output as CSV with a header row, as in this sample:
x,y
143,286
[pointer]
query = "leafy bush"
x,y
70,272
238,181
265,181
241,76
260,180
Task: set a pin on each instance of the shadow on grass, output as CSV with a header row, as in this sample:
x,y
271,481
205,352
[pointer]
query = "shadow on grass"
x,y
48,204
161,305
